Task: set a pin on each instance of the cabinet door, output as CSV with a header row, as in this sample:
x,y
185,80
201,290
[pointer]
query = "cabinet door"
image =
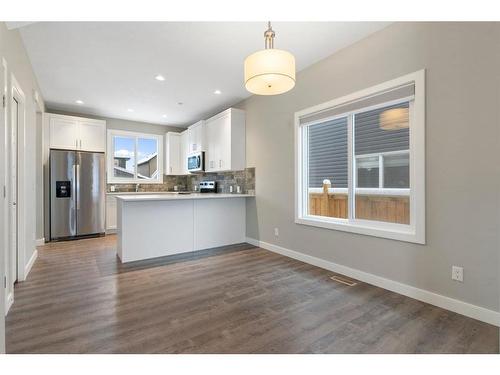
x,y
211,129
224,162
184,150
63,133
110,213
195,137
191,139
92,135
173,154
199,136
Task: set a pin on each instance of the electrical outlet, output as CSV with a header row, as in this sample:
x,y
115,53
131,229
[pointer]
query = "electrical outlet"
x,y
276,232
231,188
113,188
457,273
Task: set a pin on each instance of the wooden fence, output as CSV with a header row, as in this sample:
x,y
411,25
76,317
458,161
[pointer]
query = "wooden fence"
x,y
393,209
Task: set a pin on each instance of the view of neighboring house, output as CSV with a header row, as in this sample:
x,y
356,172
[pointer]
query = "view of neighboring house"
x,y
146,167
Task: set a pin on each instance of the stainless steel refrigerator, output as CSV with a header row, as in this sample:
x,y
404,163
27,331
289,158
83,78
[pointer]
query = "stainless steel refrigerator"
x,y
77,201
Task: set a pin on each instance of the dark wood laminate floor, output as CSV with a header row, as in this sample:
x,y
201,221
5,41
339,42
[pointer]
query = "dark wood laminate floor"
x,y
79,299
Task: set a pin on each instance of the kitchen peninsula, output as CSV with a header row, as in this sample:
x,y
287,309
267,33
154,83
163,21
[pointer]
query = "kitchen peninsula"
x,y
155,225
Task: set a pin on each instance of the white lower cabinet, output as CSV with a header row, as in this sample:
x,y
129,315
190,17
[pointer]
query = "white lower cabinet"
x,y
110,213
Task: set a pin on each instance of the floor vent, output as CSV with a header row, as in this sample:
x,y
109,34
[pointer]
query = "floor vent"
x,y
344,280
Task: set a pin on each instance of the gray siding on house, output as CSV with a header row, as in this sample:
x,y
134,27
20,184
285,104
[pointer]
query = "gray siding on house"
x,y
328,153
328,145
371,139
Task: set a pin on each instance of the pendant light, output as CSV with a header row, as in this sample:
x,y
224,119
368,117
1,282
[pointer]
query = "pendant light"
x,y
269,71
394,119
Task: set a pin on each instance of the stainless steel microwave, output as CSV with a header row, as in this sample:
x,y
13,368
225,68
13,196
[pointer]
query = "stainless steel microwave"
x,y
196,162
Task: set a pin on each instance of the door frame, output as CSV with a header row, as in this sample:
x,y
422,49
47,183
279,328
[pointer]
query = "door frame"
x,y
3,203
18,94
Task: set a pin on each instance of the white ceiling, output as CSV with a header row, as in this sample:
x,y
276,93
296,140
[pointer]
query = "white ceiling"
x,y
111,66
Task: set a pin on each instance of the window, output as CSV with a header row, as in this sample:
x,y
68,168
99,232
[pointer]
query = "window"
x,y
360,162
134,157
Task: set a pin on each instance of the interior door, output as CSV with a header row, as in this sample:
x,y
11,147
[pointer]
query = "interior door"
x,y
90,199
13,222
62,194
3,200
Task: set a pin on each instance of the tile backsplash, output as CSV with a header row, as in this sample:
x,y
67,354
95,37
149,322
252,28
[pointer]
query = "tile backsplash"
x,y
245,179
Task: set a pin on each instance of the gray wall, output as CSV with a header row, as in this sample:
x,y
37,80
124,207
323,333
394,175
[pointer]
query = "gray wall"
x,y
462,138
12,49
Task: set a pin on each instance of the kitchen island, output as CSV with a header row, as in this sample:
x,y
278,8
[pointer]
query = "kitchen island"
x,y
155,225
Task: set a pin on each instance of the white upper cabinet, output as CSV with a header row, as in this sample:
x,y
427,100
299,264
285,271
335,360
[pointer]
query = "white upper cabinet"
x,y
173,154
196,137
184,151
63,132
92,135
77,133
225,139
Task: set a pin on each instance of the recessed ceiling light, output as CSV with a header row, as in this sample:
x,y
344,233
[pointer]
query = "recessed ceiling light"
x,y
79,101
164,116
130,110
217,92
159,77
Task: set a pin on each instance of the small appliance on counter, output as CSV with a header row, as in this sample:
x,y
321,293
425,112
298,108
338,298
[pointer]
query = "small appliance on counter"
x,y
208,187
196,162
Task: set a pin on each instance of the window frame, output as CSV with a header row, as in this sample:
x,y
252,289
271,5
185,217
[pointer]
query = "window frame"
x,y
415,231
111,179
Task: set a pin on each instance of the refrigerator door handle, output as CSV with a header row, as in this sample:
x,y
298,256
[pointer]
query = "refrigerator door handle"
x,y
73,187
77,185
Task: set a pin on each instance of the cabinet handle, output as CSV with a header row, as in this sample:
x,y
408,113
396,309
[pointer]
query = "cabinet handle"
x,y
76,143
220,163
170,169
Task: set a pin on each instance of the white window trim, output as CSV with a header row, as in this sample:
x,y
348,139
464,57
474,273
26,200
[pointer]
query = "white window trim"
x,y
111,179
415,231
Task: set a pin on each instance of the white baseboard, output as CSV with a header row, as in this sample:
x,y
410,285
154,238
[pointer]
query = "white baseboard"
x,y
40,242
460,307
30,263
9,300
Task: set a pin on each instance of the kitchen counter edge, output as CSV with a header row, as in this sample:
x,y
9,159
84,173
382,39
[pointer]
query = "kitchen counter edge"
x,y
172,197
